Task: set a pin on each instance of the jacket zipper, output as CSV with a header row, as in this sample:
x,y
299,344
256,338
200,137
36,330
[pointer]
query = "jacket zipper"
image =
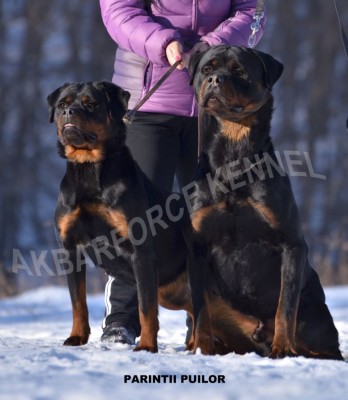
x,y
147,77
194,15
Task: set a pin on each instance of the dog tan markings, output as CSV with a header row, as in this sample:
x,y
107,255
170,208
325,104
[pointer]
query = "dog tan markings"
x,y
68,99
237,131
202,213
266,213
284,330
83,155
234,131
176,295
233,328
203,337
99,129
149,329
93,152
80,330
66,221
114,218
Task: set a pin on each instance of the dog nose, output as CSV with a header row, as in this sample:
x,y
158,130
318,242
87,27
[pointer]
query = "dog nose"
x,y
70,111
215,80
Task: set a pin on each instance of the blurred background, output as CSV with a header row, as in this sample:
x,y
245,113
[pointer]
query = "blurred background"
x,y
44,44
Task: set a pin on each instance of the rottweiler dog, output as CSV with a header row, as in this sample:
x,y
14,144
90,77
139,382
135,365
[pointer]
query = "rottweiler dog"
x,y
109,211
246,223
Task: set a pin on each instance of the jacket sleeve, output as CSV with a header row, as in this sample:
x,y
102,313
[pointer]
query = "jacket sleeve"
x,y
131,27
236,29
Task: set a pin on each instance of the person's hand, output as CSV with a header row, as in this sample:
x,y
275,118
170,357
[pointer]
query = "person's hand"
x,y
174,53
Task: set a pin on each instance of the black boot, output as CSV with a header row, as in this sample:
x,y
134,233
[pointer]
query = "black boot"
x,y
113,333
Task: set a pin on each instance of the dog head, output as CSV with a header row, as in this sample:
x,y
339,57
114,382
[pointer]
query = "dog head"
x,y
88,118
231,82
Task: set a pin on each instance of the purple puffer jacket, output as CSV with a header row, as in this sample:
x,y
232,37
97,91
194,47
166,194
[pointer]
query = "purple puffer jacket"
x,y
142,38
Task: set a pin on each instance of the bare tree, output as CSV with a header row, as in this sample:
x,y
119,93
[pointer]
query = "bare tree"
x,y
311,109
44,45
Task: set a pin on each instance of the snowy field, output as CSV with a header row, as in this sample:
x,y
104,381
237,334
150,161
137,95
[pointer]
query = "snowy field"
x,y
35,365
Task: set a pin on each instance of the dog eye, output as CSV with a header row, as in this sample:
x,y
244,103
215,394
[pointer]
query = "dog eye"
x,y
241,73
207,69
62,105
91,105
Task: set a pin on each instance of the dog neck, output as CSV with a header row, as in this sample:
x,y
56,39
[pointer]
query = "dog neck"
x,y
247,138
235,145
236,131
89,170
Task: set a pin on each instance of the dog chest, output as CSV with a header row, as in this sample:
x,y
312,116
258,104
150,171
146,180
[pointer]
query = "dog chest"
x,y
237,219
88,221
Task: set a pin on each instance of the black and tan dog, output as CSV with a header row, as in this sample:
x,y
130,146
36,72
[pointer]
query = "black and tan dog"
x,y
245,218
110,211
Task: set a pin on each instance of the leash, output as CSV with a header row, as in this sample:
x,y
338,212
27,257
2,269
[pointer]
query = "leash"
x,y
343,33
255,26
127,119
200,132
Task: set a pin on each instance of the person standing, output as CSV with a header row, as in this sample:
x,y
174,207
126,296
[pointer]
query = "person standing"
x,y
151,35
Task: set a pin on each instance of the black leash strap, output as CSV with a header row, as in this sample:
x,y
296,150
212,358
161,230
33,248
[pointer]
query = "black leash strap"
x,y
343,33
200,131
127,119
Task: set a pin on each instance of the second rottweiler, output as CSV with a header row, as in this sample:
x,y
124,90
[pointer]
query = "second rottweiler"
x,y
107,209
245,218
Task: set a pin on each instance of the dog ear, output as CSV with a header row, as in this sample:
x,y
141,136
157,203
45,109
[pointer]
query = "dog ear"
x,y
52,100
193,65
271,67
115,95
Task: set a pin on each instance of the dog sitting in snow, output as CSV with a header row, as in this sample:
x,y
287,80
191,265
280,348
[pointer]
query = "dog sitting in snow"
x,y
104,200
246,222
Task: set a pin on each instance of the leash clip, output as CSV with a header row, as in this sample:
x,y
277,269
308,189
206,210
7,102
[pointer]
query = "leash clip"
x,y
255,27
127,118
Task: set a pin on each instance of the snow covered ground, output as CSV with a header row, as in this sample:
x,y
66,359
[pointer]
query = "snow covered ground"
x,y
35,365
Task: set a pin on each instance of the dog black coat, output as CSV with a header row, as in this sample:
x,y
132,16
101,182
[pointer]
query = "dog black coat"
x,y
108,209
245,218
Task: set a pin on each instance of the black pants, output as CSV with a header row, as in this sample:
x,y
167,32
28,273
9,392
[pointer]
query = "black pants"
x,y
164,146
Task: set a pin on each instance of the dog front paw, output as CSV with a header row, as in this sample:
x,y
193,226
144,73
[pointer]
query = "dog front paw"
x,y
76,341
281,349
151,349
